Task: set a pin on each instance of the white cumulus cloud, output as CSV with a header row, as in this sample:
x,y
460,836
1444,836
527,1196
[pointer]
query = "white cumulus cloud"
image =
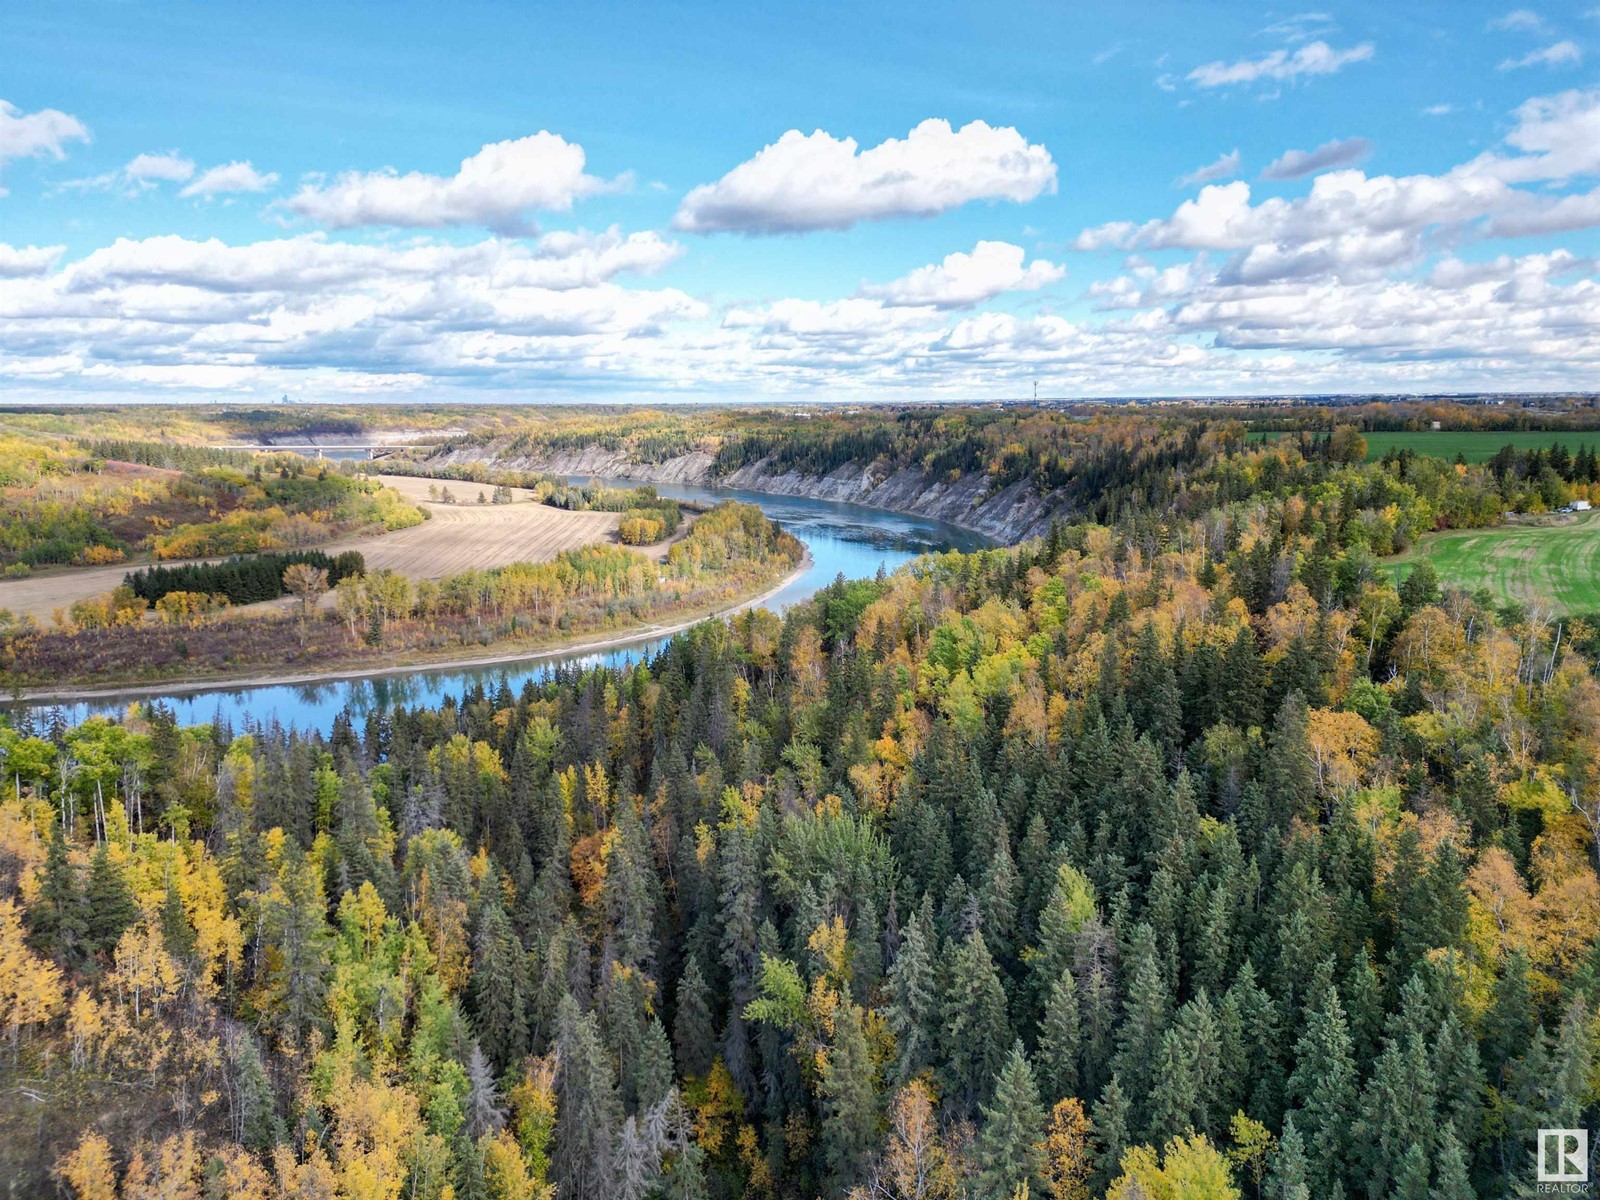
x,y
963,280
36,134
170,167
1556,139
806,182
17,261
498,188
229,178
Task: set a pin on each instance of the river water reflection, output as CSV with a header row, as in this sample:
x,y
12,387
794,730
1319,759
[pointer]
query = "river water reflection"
x,y
847,539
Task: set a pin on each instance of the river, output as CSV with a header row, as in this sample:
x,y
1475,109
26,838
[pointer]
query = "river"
x,y
847,539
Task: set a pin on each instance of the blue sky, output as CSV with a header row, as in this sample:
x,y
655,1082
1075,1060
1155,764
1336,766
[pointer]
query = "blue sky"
x,y
669,201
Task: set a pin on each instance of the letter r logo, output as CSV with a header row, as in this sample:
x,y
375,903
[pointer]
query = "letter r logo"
x,y
1563,1156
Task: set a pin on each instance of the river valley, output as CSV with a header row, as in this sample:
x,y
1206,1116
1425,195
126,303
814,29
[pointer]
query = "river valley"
x,y
843,539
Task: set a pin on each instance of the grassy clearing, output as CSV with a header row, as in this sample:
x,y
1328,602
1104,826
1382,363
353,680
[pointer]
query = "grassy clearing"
x,y
1552,561
1474,445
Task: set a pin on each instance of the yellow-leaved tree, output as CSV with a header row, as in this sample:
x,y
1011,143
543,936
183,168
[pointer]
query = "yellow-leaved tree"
x,y
30,986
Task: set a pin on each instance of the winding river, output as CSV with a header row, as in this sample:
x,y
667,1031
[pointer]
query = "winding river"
x,y
847,539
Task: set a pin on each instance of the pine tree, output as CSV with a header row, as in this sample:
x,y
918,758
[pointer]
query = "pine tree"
x,y
1009,1148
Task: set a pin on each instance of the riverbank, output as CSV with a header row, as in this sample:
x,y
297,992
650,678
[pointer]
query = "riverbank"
x,y
409,663
1007,515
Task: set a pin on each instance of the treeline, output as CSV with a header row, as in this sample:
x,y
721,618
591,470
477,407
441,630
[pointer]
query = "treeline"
x,y
243,580
99,502
646,517
1580,467
171,456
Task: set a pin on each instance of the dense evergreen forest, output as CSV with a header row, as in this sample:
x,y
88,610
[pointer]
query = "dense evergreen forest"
x,y
1182,855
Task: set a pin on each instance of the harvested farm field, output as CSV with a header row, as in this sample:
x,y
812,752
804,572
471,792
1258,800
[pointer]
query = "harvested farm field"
x,y
456,537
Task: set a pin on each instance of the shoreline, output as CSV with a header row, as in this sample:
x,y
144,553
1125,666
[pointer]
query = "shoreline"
x,y
250,682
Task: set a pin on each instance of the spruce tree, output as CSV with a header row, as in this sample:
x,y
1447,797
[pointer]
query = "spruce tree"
x,y
849,1102
1397,1114
57,920
974,1031
499,987
258,1126
913,1014
177,934
109,904
1059,1041
1009,1147
1451,1179
1323,1089
686,1177
1175,1098
1145,1013
587,1112
694,1034
1111,1119
1287,1179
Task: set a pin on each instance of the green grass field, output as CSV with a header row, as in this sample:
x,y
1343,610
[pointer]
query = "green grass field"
x,y
1553,561
1473,445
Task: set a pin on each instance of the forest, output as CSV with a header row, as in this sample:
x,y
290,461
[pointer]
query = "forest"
x,y
1178,855
95,502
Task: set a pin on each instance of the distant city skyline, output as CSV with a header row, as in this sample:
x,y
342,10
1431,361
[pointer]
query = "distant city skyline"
x,y
628,202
